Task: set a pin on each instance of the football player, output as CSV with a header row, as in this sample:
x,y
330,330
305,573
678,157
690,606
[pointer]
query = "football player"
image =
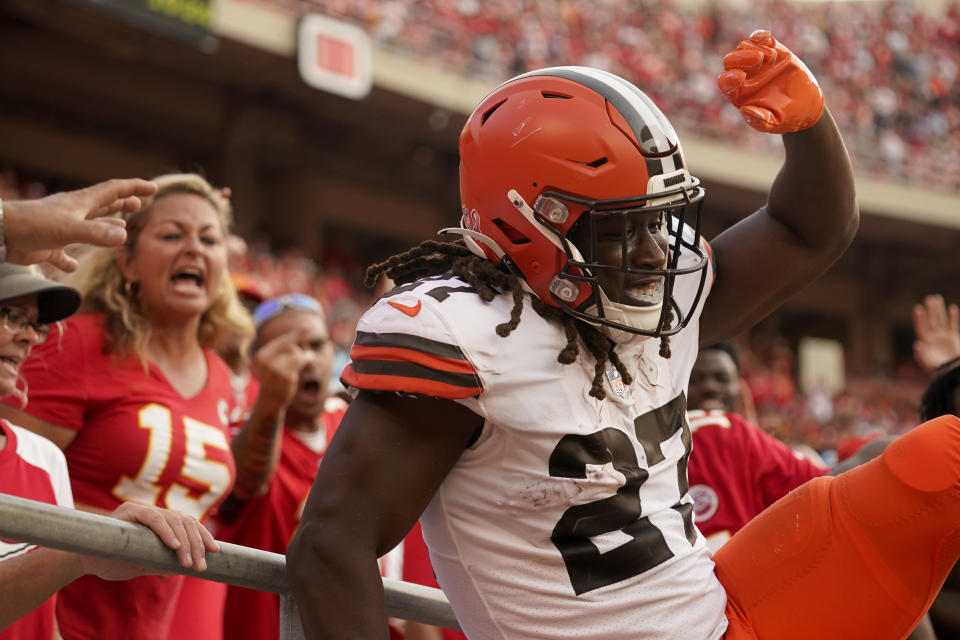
x,y
523,390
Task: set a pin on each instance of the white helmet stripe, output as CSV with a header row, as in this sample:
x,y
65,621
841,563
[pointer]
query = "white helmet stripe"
x,y
651,128
653,113
655,166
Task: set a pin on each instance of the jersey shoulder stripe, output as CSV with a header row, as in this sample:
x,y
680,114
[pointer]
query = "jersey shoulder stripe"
x,y
409,342
410,364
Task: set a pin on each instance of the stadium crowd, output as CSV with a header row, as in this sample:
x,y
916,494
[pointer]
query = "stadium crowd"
x,y
891,68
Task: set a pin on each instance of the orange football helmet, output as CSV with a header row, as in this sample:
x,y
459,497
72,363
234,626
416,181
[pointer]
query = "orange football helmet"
x,y
566,146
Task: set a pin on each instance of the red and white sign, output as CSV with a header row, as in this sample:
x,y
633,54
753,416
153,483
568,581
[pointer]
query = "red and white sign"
x,y
334,56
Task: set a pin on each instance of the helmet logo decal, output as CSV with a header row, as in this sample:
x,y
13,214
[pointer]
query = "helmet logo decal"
x,y
518,130
470,220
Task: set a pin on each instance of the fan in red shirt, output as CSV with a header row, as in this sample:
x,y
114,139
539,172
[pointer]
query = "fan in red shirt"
x,y
295,420
133,393
736,469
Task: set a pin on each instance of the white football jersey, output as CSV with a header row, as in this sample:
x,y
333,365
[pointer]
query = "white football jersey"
x,y
569,516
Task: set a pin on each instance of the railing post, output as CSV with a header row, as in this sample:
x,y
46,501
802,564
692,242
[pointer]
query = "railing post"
x,y
290,628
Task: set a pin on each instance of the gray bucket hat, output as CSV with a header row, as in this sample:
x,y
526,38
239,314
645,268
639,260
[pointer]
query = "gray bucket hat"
x,y
54,301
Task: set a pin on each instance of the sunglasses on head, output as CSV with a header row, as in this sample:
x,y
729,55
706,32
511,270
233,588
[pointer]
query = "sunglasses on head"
x,y
275,306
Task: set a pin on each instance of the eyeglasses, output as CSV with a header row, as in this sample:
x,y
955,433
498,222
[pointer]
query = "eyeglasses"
x,y
275,306
15,321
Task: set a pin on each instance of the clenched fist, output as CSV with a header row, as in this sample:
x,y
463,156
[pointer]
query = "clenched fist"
x,y
771,86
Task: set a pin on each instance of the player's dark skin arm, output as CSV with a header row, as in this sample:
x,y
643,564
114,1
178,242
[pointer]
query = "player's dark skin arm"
x,y
810,218
385,462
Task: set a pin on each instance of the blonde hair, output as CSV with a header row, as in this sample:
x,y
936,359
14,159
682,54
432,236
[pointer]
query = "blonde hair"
x,y
105,290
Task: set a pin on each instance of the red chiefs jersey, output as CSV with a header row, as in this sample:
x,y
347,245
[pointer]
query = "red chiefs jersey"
x,y
137,440
199,612
31,467
269,522
737,470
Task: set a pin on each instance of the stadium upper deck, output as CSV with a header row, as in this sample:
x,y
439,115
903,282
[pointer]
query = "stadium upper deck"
x,y
890,69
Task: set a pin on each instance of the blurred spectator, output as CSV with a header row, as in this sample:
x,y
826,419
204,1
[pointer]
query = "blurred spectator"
x,y
249,290
735,470
937,327
291,423
715,383
291,272
289,427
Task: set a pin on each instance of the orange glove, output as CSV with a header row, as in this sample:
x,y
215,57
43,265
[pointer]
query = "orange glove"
x,y
771,86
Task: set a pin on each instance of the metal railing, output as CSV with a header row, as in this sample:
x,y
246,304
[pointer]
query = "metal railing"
x,y
90,534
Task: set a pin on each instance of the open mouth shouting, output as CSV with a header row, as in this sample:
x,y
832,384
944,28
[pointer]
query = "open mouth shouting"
x,y
188,280
310,391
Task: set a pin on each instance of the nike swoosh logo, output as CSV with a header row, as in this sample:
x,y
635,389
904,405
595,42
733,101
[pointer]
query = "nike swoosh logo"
x,y
410,310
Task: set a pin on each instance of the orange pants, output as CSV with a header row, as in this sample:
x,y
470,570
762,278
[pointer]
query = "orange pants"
x,y
861,555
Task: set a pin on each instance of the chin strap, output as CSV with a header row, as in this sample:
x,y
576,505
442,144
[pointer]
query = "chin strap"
x,y
645,318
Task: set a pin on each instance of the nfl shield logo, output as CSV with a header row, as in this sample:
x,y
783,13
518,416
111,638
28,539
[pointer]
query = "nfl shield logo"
x,y
616,381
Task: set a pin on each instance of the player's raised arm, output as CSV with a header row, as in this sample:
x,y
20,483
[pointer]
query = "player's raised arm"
x,y
811,213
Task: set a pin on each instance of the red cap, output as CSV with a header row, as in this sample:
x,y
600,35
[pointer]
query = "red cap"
x,y
248,286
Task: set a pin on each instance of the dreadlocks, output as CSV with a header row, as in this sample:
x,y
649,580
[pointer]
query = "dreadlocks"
x,y
938,399
432,257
